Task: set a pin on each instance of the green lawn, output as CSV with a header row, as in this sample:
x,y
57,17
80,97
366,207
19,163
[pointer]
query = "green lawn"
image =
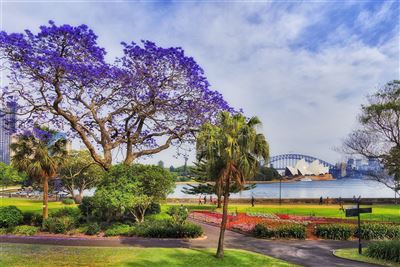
x,y
43,255
379,212
30,204
389,213
352,254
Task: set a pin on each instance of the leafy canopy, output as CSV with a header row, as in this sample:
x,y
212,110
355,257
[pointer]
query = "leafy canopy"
x,y
143,102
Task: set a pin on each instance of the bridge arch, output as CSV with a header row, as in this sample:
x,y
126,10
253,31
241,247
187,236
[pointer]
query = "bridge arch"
x,y
280,162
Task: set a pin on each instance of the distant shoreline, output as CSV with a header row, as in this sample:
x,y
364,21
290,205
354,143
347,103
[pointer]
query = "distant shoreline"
x,y
327,177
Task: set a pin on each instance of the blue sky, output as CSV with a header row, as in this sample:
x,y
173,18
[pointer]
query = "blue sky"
x,y
303,67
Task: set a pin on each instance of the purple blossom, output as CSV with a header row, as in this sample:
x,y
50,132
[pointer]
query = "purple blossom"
x,y
151,94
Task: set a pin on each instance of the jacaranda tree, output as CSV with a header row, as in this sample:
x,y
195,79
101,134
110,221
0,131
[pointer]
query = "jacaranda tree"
x,y
232,149
143,102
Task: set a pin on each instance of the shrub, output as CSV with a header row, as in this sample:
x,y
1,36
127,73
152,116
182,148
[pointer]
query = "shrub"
x,y
119,229
66,211
262,231
379,231
68,201
59,225
334,231
297,231
87,206
167,229
25,230
10,216
179,214
32,218
92,229
4,231
386,250
154,208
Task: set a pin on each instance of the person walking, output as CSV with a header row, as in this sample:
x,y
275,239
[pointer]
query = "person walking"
x,y
253,200
320,200
205,199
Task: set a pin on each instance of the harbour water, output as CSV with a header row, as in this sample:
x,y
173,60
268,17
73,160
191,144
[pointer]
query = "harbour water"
x,y
345,188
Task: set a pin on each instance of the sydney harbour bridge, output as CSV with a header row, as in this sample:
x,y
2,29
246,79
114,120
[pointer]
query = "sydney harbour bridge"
x,y
280,162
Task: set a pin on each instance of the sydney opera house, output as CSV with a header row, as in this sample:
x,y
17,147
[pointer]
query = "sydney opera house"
x,y
303,168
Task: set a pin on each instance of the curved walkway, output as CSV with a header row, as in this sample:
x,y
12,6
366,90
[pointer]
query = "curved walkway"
x,y
305,253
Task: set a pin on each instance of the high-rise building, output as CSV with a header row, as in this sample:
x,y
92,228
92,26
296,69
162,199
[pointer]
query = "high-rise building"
x,y
7,129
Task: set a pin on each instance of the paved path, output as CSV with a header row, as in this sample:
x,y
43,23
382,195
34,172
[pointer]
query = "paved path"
x,y
305,253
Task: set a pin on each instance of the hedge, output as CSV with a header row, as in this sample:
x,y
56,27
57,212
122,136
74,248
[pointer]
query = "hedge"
x,y
25,230
297,231
385,250
166,229
334,231
68,201
369,231
376,231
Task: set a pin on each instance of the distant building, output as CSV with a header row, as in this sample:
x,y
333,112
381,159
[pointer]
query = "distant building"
x,y
350,163
7,129
303,168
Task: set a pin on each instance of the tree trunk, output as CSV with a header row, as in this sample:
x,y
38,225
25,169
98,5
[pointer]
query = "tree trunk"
x,y
45,197
78,197
219,201
220,250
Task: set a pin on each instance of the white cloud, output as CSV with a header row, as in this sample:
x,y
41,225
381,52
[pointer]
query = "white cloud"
x,y
308,100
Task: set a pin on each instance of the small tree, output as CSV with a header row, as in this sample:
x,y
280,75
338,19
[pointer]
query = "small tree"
x,y
232,148
9,175
40,153
79,172
131,189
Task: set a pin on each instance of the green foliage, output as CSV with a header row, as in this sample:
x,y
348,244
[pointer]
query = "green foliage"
x,y
32,218
296,231
386,250
59,225
119,229
87,206
67,211
179,214
128,191
373,231
62,220
266,174
262,231
334,231
154,208
68,201
93,228
25,230
167,229
10,216
79,172
9,175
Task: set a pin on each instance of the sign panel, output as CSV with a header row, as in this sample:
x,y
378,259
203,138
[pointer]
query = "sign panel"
x,y
354,212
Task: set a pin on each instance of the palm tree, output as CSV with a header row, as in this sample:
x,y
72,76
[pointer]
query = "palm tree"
x,y
232,148
39,153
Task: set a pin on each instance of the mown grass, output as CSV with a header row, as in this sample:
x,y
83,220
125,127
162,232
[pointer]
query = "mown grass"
x,y
32,205
352,254
389,213
44,255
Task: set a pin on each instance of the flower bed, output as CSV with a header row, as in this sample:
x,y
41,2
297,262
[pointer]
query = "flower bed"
x,y
241,221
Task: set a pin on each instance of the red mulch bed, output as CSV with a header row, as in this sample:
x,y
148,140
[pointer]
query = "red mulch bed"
x,y
245,223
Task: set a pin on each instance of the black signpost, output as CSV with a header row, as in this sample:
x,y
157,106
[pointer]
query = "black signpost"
x,y
356,212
